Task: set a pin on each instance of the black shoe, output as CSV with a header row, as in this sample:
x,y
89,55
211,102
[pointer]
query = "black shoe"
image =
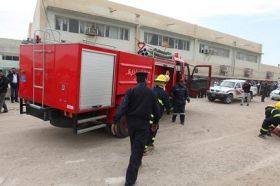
x,y
16,101
182,123
128,184
12,101
247,104
5,111
262,136
241,104
269,134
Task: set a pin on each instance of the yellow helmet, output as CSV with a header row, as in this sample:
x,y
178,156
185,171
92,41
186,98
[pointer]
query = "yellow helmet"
x,y
161,78
277,105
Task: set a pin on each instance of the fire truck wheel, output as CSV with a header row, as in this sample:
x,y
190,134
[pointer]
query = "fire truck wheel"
x,y
122,128
108,129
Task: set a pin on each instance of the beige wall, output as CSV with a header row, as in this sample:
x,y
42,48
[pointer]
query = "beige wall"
x,y
139,21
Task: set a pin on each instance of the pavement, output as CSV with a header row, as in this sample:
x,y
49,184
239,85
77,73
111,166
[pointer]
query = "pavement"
x,y
217,146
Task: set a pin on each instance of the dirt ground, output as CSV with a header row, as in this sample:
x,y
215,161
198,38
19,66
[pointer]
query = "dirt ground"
x,y
218,146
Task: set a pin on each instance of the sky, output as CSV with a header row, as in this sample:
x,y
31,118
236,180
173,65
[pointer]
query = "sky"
x,y
255,20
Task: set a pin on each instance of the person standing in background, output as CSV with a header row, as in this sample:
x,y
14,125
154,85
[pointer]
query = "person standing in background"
x,y
263,91
3,90
14,84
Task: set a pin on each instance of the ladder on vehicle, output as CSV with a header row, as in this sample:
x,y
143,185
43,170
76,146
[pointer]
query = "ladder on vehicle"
x,y
40,48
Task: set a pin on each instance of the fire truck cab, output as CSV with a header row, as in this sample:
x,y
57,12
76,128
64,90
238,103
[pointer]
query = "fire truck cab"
x,y
80,86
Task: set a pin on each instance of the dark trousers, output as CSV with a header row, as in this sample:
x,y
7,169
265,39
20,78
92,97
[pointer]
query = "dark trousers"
x,y
179,109
269,123
138,139
263,97
14,92
2,102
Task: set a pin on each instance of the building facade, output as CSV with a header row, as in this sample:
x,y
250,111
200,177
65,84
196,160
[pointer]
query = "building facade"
x,y
121,27
9,54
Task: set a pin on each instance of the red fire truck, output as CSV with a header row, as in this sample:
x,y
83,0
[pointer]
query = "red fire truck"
x,y
79,86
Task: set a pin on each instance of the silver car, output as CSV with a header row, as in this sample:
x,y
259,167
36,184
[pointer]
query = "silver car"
x,y
275,94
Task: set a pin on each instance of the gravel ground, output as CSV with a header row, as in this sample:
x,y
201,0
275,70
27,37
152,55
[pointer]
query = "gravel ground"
x,y
217,146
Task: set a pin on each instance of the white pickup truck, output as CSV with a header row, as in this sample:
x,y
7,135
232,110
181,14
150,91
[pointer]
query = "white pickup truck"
x,y
229,90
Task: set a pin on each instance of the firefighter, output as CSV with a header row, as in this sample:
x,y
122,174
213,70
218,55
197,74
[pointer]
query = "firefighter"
x,y
163,99
180,95
271,121
137,106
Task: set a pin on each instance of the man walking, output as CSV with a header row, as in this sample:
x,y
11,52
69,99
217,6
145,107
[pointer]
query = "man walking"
x,y
3,90
246,95
180,95
137,105
14,83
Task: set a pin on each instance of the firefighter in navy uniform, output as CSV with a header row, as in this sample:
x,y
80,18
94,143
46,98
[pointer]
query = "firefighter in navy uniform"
x,y
163,99
271,121
137,105
180,95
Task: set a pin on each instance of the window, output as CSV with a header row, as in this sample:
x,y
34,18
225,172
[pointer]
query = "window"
x,y
154,39
213,50
61,23
100,30
160,40
123,34
126,34
247,57
73,25
237,85
103,30
15,58
181,44
10,58
112,32
82,27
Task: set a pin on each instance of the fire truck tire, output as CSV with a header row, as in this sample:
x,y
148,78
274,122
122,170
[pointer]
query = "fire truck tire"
x,y
122,128
108,129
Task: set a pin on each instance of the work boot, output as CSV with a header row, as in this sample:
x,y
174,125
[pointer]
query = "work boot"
x,y
263,136
151,147
269,134
146,151
128,184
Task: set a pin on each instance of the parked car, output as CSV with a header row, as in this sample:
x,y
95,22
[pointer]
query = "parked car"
x,y
275,94
229,90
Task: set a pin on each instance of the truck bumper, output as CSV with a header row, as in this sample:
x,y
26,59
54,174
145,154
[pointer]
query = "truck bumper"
x,y
217,95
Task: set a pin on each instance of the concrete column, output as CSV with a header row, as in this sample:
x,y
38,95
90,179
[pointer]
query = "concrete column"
x,y
195,48
233,57
137,31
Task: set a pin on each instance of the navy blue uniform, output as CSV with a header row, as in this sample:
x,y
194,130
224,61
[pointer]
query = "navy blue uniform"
x,y
180,95
163,100
138,104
